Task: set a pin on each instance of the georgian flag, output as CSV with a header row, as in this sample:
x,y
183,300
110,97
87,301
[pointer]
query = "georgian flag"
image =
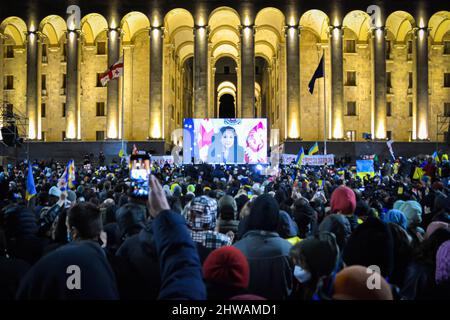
x,y
115,71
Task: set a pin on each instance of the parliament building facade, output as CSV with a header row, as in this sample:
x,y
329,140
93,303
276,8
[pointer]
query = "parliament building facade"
x,y
387,67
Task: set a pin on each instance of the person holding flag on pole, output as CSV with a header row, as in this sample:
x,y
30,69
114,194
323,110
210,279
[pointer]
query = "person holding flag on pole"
x,y
30,187
300,156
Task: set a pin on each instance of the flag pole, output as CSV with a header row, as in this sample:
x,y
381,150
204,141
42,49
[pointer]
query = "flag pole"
x,y
324,105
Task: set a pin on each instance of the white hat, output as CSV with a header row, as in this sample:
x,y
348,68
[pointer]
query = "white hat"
x,y
54,191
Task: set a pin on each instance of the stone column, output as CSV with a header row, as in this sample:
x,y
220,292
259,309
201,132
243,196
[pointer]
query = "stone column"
x,y
420,83
201,34
156,83
2,54
32,84
293,81
247,69
378,51
128,100
72,84
112,104
337,83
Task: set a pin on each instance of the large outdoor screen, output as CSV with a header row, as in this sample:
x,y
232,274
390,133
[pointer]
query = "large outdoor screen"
x,y
225,141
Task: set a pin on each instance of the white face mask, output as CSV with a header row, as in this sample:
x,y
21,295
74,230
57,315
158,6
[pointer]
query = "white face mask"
x,y
301,274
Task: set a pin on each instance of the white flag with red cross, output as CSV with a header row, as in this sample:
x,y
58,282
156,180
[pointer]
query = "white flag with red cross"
x,y
115,71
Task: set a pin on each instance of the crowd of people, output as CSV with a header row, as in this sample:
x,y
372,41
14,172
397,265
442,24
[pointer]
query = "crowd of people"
x,y
228,232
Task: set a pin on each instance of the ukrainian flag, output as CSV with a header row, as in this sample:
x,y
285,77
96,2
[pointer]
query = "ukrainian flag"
x,y
300,156
31,188
436,157
314,149
364,168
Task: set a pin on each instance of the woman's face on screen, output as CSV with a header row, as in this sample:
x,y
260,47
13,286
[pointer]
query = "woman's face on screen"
x,y
227,139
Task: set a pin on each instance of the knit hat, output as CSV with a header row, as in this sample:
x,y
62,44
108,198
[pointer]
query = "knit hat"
x,y
202,213
371,244
264,214
413,212
227,266
227,207
351,284
191,188
398,204
343,200
397,217
54,191
286,226
172,187
443,263
339,226
71,196
432,227
319,253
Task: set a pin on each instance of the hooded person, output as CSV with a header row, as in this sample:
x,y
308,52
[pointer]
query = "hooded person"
x,y
339,226
267,253
419,278
287,228
371,244
136,265
442,274
351,284
227,215
130,219
226,273
413,212
433,226
397,204
397,217
12,270
201,221
403,253
305,217
21,230
343,201
52,277
315,258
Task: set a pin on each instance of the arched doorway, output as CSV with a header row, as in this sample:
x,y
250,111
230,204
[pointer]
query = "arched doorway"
x,y
227,106
225,81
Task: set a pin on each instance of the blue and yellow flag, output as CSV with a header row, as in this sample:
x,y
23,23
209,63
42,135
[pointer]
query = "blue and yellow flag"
x,y
300,156
314,149
436,157
364,168
31,188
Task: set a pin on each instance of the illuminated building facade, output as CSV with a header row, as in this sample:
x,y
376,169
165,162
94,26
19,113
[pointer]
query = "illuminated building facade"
x,y
387,71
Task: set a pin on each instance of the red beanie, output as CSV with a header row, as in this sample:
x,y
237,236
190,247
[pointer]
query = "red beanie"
x,y
227,266
343,200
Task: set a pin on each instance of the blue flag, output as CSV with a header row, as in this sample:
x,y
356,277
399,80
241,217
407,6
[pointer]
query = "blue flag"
x,y
319,73
31,188
300,156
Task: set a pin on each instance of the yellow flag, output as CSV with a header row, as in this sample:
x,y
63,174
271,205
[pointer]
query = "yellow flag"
x,y
121,153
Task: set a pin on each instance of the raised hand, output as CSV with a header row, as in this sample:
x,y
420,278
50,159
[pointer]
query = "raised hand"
x,y
157,200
